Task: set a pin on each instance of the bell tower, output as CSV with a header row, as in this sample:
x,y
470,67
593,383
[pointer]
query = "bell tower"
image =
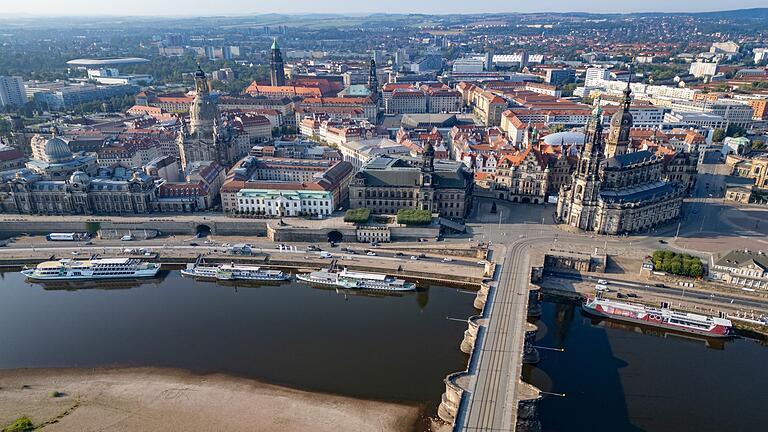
x,y
621,123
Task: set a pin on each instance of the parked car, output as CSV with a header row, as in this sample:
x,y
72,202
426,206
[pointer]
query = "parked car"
x,y
399,254
621,296
446,259
369,253
602,282
632,295
414,257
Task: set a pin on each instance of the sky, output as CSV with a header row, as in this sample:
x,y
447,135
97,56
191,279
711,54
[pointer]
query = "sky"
x,y
235,7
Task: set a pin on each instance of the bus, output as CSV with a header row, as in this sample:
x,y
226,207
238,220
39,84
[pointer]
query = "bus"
x,y
67,236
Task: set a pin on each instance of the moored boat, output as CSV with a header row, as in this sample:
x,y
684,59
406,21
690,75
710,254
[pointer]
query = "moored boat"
x,y
663,317
233,272
357,280
100,268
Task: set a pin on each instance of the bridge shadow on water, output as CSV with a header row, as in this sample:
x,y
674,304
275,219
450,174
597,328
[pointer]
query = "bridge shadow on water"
x,y
587,372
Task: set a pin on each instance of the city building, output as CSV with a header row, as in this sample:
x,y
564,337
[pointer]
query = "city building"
x,y
60,94
468,65
359,153
703,69
62,182
386,184
284,203
623,193
595,76
252,183
12,91
744,268
112,76
560,77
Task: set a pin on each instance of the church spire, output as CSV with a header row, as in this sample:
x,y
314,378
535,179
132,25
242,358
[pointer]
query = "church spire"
x,y
628,90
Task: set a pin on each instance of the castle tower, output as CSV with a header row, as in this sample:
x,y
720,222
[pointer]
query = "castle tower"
x,y
276,66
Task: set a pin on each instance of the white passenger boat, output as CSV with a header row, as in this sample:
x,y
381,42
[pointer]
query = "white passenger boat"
x,y
233,272
357,280
102,268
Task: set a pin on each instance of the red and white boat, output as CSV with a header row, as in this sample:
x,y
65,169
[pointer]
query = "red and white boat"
x,y
663,317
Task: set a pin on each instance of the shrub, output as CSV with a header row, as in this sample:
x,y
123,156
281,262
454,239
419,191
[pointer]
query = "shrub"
x,y
22,424
359,215
412,216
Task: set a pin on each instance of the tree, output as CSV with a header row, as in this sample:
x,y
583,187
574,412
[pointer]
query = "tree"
x,y
718,135
412,216
358,215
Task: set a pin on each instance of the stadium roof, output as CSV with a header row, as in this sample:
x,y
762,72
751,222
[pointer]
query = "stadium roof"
x,y
107,61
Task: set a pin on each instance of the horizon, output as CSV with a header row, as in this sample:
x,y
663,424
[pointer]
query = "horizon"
x,y
203,8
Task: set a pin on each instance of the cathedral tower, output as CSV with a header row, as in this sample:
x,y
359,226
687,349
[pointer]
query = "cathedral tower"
x,y
579,205
621,122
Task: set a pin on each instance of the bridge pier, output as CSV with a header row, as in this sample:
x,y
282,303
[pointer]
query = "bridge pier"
x,y
534,301
528,408
482,296
530,353
470,334
451,399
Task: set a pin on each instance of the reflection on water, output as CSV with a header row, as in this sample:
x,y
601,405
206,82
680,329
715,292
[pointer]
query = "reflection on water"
x,y
623,377
713,343
397,347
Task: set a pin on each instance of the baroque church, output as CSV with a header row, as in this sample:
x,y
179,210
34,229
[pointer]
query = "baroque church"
x,y
614,191
207,137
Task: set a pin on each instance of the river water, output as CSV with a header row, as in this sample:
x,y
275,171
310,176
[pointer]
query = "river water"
x,y
621,377
384,347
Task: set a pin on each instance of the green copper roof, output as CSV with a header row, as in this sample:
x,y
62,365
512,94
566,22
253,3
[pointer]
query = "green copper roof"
x,y
274,44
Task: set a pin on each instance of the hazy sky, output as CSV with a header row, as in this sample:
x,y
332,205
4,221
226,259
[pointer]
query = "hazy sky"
x,y
234,7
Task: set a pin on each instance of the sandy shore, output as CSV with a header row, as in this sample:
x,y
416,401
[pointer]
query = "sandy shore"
x,y
152,399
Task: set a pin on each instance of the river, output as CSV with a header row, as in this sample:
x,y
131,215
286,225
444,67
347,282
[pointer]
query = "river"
x,y
379,347
621,377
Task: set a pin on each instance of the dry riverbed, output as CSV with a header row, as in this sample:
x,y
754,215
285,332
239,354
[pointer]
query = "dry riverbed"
x,y
145,399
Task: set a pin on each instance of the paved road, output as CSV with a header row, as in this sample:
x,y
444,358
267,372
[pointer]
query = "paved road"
x,y
266,248
670,290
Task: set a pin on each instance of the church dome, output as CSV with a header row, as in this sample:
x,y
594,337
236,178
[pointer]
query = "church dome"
x,y
57,150
79,177
566,138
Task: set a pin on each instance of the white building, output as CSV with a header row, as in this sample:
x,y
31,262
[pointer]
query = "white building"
x,y
12,91
468,65
733,112
595,75
703,69
684,119
729,47
279,203
358,153
761,55
111,76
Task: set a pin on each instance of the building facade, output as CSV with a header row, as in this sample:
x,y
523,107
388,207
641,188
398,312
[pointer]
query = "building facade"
x,y
387,184
623,193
